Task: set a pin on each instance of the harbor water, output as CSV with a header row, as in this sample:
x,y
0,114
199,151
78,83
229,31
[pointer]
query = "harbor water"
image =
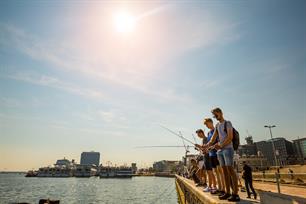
x,y
17,188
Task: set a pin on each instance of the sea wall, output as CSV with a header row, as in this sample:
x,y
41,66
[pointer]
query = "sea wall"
x,y
189,194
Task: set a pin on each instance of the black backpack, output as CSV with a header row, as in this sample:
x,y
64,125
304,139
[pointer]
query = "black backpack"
x,y
235,140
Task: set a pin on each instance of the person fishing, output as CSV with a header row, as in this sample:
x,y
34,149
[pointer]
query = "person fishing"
x,y
208,122
202,170
192,172
225,153
207,165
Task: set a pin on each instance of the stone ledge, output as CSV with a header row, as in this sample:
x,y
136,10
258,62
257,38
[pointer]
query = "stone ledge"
x,y
188,193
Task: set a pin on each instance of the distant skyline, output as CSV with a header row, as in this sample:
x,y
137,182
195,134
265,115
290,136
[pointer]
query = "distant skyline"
x,y
102,76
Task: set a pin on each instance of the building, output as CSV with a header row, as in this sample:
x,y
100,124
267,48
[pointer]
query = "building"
x,y
256,162
248,149
134,168
90,158
299,146
283,151
165,166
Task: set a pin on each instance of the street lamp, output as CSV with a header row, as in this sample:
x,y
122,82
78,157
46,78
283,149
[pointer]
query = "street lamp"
x,y
270,127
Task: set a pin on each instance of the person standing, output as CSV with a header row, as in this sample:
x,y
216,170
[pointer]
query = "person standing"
x,y
225,155
214,163
202,170
248,180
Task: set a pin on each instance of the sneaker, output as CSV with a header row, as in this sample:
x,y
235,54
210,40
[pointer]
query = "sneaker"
x,y
220,193
234,198
207,189
213,190
224,196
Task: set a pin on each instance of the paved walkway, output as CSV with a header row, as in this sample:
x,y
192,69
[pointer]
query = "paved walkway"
x,y
265,186
285,189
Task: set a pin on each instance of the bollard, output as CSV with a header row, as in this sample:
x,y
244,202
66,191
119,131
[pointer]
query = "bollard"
x,y
277,182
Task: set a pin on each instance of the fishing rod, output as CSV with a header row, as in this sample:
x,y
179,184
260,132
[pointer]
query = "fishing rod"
x,y
183,141
180,136
159,146
195,141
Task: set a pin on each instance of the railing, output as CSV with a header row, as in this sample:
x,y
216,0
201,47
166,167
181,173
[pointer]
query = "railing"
x,y
281,178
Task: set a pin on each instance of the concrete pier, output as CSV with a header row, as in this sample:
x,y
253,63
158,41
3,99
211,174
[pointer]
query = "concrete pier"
x,y
188,193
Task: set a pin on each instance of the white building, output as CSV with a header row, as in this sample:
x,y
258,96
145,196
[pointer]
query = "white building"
x,y
90,158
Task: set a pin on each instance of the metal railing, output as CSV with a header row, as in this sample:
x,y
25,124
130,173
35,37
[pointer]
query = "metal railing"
x,y
281,178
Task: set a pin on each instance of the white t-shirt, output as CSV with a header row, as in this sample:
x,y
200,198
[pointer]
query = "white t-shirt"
x,y
222,134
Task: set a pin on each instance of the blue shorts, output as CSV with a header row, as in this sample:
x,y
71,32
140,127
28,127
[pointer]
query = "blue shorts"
x,y
226,157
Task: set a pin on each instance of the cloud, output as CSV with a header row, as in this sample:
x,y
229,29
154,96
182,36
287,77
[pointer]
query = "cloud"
x,y
53,82
135,62
9,102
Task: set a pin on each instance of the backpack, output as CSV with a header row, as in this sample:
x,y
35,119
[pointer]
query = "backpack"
x,y
235,139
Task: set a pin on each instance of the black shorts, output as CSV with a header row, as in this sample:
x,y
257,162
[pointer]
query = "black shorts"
x,y
214,161
207,163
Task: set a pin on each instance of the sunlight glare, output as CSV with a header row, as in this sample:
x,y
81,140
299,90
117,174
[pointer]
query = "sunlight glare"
x,y
124,22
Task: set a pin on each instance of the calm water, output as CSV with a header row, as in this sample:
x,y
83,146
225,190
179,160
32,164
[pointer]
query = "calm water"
x,y
17,188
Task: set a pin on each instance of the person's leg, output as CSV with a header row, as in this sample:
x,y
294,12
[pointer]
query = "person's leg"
x,y
209,173
222,179
252,188
195,178
212,179
204,177
246,184
224,176
227,180
198,174
234,180
213,162
229,161
215,170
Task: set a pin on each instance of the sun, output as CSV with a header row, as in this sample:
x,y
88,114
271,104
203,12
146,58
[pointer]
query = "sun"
x,y
124,22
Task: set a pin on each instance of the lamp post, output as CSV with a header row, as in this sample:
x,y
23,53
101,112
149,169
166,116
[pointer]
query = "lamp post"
x,y
270,127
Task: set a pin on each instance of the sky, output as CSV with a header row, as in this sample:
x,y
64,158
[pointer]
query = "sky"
x,y
103,76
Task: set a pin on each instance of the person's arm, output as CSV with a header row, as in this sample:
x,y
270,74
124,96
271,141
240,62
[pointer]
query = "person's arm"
x,y
213,138
229,137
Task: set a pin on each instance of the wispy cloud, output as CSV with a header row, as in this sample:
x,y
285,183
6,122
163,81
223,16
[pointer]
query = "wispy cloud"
x,y
135,63
53,82
9,102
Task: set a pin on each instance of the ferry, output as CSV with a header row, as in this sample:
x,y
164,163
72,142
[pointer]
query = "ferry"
x,y
85,170
116,172
56,171
62,168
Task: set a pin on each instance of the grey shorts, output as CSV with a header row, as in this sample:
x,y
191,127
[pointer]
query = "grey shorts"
x,y
226,157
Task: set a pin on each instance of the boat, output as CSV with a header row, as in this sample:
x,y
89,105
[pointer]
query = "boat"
x,y
107,172
124,172
62,168
116,172
31,173
85,170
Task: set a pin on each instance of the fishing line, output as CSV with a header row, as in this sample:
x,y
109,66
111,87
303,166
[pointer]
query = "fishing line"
x,y
177,134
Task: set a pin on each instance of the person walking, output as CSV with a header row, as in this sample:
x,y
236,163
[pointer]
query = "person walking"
x,y
248,180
